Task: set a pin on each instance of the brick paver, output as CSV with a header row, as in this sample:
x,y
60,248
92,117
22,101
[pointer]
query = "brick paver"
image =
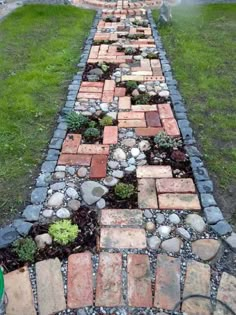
x,y
175,185
93,149
110,135
226,293
179,201
98,166
71,143
150,171
75,159
146,187
121,217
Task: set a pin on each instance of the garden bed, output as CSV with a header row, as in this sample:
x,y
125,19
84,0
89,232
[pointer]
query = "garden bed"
x,y
98,72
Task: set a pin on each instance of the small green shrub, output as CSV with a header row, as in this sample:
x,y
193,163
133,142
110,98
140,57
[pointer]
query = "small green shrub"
x,y
76,121
92,124
63,232
25,249
130,51
131,85
136,36
124,191
166,142
141,99
91,133
106,121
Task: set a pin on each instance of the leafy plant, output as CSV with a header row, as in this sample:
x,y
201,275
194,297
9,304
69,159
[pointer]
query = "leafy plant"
x,y
131,85
76,121
136,36
141,99
25,249
140,23
104,67
92,124
178,156
91,133
124,191
164,141
130,51
106,121
63,232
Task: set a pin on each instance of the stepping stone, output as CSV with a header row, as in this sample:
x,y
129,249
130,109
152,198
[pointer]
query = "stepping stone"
x,y
139,281
109,282
110,135
123,238
150,171
179,202
206,249
19,302
197,281
80,280
146,187
71,143
226,293
98,166
50,287
167,288
175,185
121,217
93,149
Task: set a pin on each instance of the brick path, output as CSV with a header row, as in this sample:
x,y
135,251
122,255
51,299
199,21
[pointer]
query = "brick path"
x,y
127,277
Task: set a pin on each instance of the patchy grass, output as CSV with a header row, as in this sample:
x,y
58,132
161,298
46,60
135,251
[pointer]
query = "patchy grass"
x,y
39,48
201,46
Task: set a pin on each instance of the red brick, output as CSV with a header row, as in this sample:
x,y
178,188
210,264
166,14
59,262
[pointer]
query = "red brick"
x,y
92,84
165,111
89,95
80,280
175,185
197,281
93,149
109,282
170,126
98,166
120,91
227,292
148,132
131,123
144,108
139,281
92,89
71,143
124,102
74,159
121,217
167,288
123,238
109,85
154,171
179,201
107,96
153,119
131,115
110,135
146,187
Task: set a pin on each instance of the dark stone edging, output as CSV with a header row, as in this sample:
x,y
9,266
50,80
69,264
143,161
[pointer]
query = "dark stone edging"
x,y
212,212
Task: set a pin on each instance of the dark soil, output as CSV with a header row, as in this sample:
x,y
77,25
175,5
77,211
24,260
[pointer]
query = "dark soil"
x,y
113,201
105,76
85,218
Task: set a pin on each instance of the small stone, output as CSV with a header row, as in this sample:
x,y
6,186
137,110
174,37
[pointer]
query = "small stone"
x,y
43,180
135,152
70,170
164,231
7,236
142,88
206,249
128,142
110,181
104,107
59,175
63,213
60,168
144,145
172,245
150,227
174,218
74,204
153,242
141,156
196,222
130,134
135,92
82,172
22,227
42,240
119,155
47,213
38,195
124,164
31,213
183,233
130,169
231,241
147,214
56,200
131,161
118,174
101,204
58,186
138,57
72,193
96,71
165,94
160,218
113,164
113,115
222,227
92,191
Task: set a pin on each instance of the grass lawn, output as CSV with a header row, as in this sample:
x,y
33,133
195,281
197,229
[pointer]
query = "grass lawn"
x,y
39,48
202,48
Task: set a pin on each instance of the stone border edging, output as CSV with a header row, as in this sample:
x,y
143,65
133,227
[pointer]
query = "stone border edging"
x,y
202,2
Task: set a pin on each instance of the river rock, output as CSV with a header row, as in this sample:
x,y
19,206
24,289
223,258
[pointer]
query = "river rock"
x,y
72,193
172,245
42,240
164,231
92,191
110,181
144,145
206,249
153,242
56,200
119,155
129,142
196,222
74,204
63,213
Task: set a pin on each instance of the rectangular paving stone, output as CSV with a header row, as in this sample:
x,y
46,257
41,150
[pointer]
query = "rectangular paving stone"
x,y
19,302
50,287
171,127
74,159
139,281
110,135
120,91
153,119
107,96
109,85
80,280
124,102
146,187
131,123
122,238
167,287
154,171
175,185
144,108
148,132
71,143
89,95
131,115
98,166
197,281
226,293
91,84
91,89
179,201
165,111
109,282
93,149
121,217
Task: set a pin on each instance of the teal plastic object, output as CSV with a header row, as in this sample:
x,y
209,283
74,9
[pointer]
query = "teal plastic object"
x,y
2,294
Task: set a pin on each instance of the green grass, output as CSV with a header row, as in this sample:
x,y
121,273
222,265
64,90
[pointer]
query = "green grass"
x,y
39,48
201,47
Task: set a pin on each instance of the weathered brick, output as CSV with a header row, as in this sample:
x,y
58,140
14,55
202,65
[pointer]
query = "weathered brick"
x,y
109,85
197,281
120,91
18,303
109,283
124,102
89,84
146,187
139,281
154,78
80,280
226,293
165,111
98,166
50,287
175,185
131,115
89,95
71,143
91,89
153,119
167,288
93,149
107,96
144,108
171,127
121,217
148,132
123,238
179,201
110,135
75,159
154,171
131,123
